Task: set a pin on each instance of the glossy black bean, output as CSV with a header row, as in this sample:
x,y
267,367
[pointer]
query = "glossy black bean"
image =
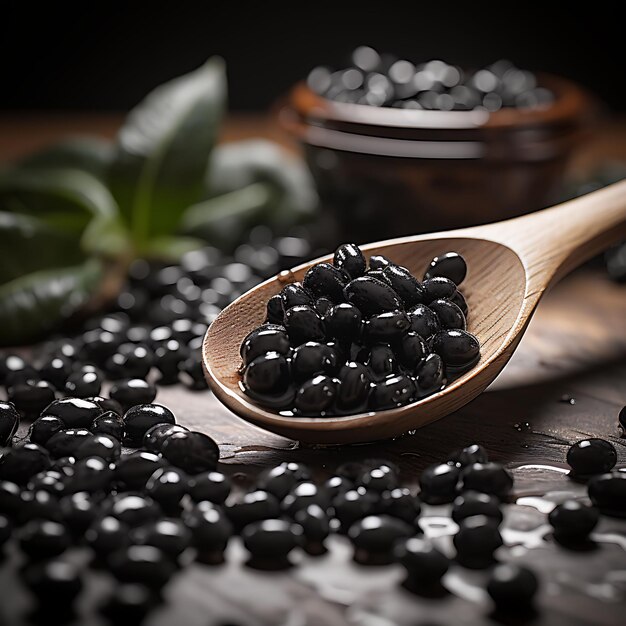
x,y
323,306
378,275
438,288
56,370
392,392
379,262
591,456
251,507
313,358
9,422
325,280
264,340
512,587
133,470
489,477
129,603
473,453
65,442
107,534
304,324
144,564
386,327
103,446
316,396
167,534
423,562
43,428
281,479
192,452
408,288
302,495
79,510
295,294
10,501
167,486
608,493
355,504
573,520
30,397
400,503
132,392
211,528
449,314
91,474
314,523
458,348
382,362
141,418
168,358
209,486
476,541
378,479
108,423
43,539
18,464
267,374
429,375
14,370
411,349
372,296
100,344
155,437
376,535
343,322
55,583
355,386
271,538
74,412
438,483
133,509
83,384
349,258
472,503
424,322
275,312
449,265
38,505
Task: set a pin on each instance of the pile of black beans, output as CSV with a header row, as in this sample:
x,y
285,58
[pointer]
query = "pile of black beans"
x,y
354,338
384,80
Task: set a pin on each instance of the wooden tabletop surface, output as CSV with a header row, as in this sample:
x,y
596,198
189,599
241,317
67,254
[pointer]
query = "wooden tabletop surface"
x,y
575,347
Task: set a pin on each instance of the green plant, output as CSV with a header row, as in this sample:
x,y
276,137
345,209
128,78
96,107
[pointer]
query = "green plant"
x,y
74,215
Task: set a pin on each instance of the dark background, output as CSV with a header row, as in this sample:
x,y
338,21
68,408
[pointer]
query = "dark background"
x,y
99,56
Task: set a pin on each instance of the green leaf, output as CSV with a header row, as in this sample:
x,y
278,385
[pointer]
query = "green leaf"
x,y
37,303
28,244
239,164
223,220
67,200
163,150
171,248
88,154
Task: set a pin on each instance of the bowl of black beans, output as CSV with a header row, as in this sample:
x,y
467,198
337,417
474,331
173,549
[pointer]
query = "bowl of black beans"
x,y
399,146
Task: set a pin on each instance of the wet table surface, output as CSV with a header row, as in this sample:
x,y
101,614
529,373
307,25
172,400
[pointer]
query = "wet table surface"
x,y
575,348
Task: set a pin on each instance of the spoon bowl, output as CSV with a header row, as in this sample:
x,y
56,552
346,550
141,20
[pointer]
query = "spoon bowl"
x,y
510,265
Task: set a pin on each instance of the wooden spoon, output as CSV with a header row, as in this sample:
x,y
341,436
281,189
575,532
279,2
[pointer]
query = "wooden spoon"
x,y
510,265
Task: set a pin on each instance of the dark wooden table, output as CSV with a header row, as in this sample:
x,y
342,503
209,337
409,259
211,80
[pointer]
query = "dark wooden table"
x,y
575,348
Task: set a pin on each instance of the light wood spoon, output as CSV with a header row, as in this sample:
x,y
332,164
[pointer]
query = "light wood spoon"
x,y
510,266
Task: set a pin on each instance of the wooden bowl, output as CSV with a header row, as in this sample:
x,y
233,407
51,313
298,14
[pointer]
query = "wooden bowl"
x,y
385,172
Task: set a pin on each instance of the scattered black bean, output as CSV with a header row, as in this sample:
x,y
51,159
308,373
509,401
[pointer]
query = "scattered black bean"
x,y
591,456
139,419
476,541
573,520
608,493
512,587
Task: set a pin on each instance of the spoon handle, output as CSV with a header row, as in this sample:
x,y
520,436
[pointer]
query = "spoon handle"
x,y
552,242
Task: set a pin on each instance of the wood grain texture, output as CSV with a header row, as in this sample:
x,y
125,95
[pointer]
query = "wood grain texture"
x,y
514,262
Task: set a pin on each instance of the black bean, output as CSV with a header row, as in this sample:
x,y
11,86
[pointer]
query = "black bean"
x,y
411,350
133,509
312,358
74,412
107,404
423,321
107,534
302,495
458,348
43,539
18,464
371,296
408,288
385,327
473,453
130,603
353,505
91,474
608,493
392,392
315,396
375,536
349,258
108,423
271,538
325,280
591,456
55,583
210,486
378,479
476,541
355,386
79,510
30,397
438,483
141,418
401,503
133,470
169,535
438,288
252,507
425,564
379,262
192,452
275,312
459,299
512,587
267,374
56,370
429,375
382,362
449,265
104,446
211,528
83,384
304,324
14,370
573,520
280,480
343,322
472,503
133,391
315,525
449,314
155,437
145,564
488,477
9,422
294,295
